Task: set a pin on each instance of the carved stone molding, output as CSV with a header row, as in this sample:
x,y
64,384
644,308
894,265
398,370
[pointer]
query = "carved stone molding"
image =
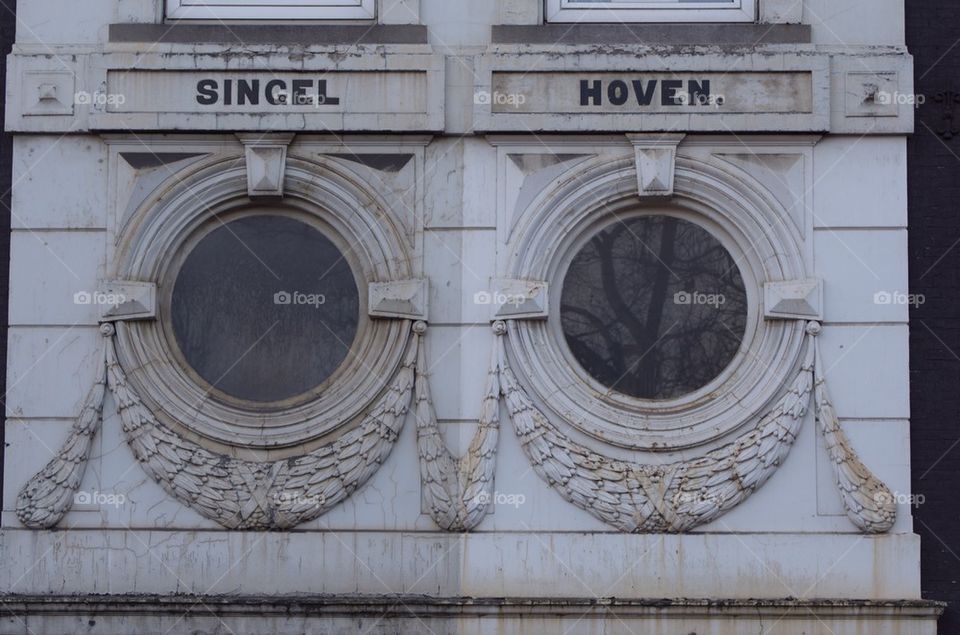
x,y
740,214
48,496
261,495
322,193
459,491
677,497
668,497
237,494
869,503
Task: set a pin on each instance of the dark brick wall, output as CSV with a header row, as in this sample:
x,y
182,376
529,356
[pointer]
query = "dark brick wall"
x,y
934,177
7,27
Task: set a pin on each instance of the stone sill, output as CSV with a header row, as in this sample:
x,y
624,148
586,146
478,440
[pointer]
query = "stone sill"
x,y
388,604
392,614
400,605
684,34
280,34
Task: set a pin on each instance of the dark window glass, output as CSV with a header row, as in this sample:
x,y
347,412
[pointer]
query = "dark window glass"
x,y
265,308
654,307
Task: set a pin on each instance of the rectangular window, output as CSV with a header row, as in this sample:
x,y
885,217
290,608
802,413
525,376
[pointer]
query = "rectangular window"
x,y
651,10
271,9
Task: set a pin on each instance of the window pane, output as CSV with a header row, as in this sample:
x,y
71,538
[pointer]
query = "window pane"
x,y
654,307
265,308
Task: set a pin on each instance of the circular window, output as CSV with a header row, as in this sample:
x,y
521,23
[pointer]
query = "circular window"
x,y
653,307
656,338
262,340
264,308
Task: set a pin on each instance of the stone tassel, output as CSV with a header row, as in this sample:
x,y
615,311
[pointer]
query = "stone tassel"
x,y
49,495
458,492
870,504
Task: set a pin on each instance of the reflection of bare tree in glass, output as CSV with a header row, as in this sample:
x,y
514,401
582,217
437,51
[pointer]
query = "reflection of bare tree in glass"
x,y
654,307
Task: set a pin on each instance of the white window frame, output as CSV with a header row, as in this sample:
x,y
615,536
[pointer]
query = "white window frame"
x,y
267,10
650,11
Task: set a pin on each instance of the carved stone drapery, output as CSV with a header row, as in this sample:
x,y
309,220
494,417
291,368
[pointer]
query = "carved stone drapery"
x,y
237,494
48,496
259,495
869,503
680,496
458,492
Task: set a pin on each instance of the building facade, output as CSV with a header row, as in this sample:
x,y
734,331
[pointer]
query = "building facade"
x,y
395,316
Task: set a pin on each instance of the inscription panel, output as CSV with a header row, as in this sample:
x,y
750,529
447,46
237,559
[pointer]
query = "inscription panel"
x,y
674,93
239,92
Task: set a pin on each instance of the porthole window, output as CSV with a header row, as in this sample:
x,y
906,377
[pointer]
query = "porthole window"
x,y
262,338
655,336
653,307
264,308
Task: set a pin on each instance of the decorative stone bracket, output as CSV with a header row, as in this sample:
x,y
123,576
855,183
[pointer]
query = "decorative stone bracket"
x,y
519,299
266,156
793,300
656,157
399,299
133,300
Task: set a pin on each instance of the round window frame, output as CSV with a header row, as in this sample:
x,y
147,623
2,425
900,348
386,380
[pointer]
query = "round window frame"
x,y
743,216
351,214
171,271
672,404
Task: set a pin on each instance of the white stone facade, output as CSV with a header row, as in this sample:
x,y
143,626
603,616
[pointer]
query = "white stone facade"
x,y
473,506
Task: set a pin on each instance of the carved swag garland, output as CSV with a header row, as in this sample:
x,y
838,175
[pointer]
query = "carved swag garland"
x,y
674,497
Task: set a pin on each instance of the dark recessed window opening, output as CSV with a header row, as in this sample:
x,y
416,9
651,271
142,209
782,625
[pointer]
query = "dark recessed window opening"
x,y
654,307
265,308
